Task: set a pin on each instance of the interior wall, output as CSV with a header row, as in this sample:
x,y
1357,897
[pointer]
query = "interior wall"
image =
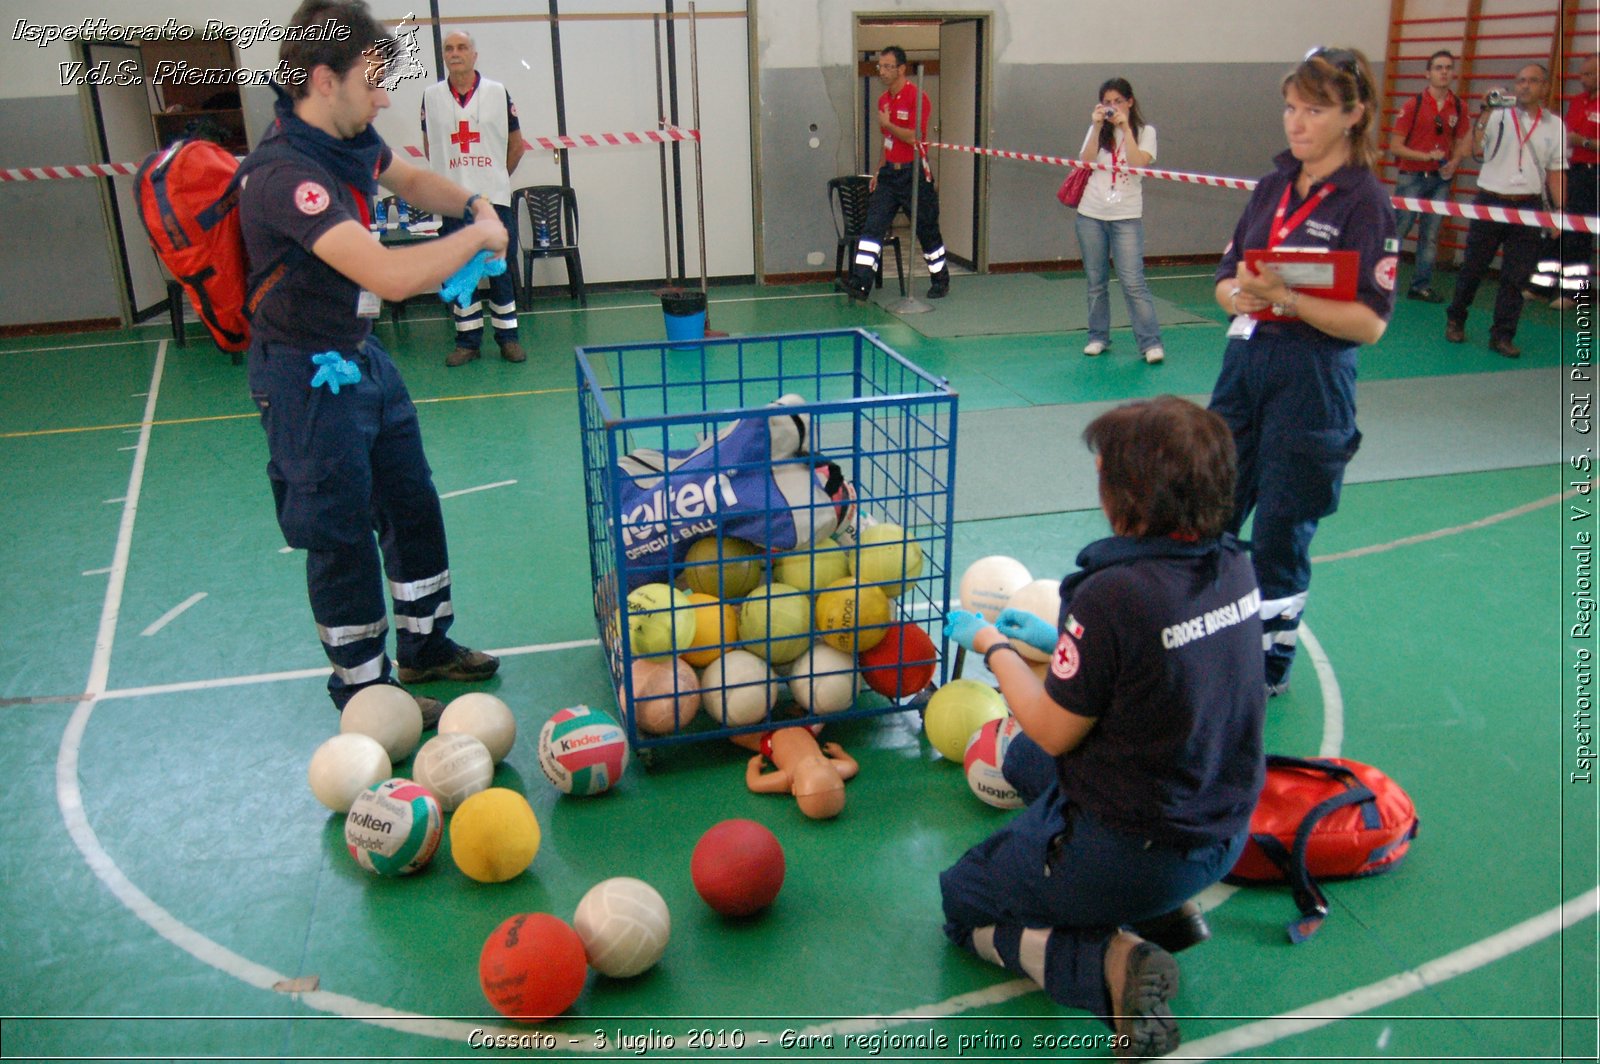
x,y
608,67
1206,76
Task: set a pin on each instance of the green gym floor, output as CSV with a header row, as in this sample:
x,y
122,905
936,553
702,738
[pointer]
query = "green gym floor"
x,y
173,891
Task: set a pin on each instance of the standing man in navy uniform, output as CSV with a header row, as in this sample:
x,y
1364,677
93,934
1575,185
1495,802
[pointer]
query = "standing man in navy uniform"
x,y
903,156
472,136
346,458
1524,153
1431,137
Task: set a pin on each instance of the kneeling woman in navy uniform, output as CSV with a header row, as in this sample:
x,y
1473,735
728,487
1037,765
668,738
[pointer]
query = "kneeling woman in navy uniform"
x,y
1288,383
1141,754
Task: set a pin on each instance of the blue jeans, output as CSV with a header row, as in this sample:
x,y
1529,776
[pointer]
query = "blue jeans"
x,y
1421,185
1098,241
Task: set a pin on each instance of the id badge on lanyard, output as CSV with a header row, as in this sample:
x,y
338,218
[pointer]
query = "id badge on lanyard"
x,y
1243,325
368,305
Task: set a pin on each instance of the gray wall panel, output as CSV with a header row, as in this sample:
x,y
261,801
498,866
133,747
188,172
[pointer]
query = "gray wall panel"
x,y
1218,119
57,266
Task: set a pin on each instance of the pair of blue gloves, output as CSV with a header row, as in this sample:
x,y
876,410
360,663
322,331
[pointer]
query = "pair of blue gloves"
x,y
334,370
962,627
464,282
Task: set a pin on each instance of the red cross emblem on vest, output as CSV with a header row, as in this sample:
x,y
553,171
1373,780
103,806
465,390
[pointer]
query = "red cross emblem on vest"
x,y
464,137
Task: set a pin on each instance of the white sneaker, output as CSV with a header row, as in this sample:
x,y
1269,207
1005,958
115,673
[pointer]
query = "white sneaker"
x,y
1154,355
1094,347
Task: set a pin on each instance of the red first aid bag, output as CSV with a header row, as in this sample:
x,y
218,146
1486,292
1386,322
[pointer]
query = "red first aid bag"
x,y
189,202
1326,818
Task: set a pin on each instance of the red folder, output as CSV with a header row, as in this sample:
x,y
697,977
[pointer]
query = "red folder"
x,y
1310,271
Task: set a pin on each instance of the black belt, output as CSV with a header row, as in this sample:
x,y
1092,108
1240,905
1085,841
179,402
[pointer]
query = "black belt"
x,y
898,166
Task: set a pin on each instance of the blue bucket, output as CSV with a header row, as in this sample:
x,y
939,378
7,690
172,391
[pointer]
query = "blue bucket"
x,y
685,314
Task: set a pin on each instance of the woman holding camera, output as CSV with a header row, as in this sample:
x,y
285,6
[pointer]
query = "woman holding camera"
x,y
1109,218
1288,382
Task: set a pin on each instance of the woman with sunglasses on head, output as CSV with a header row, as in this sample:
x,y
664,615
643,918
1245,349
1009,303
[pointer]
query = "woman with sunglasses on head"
x,y
1288,384
1109,218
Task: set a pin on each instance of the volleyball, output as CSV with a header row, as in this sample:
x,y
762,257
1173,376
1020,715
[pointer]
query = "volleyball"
x,y
851,617
454,766
956,711
738,688
393,829
985,760
730,573
344,766
659,620
716,625
1042,598
886,559
624,925
814,568
666,695
988,584
387,713
775,623
824,680
485,718
582,751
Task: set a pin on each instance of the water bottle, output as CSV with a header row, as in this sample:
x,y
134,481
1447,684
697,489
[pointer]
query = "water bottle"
x,y
380,215
403,209
541,234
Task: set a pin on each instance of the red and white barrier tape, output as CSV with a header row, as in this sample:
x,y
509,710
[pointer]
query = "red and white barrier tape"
x,y
556,143
1578,223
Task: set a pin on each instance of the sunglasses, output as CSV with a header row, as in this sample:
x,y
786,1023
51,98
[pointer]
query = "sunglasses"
x,y
1342,58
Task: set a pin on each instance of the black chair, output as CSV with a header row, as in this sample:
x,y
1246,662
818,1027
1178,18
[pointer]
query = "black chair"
x,y
551,232
847,199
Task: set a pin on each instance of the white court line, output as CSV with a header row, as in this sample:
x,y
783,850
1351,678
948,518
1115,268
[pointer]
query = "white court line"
x,y
1366,998
97,572
225,960
79,347
172,614
130,447
285,550
1482,522
120,498
480,487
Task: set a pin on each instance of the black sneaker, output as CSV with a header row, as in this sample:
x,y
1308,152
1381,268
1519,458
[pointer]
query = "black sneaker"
x,y
1177,930
941,285
463,666
1276,689
1425,294
857,293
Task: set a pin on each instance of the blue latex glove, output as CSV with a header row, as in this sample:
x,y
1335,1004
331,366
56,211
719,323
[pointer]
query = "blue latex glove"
x,y
962,627
333,370
464,282
1032,629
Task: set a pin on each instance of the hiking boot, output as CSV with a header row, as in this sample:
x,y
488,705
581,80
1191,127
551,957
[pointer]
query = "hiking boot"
x,y
461,356
431,710
1455,332
1177,930
940,286
857,293
511,351
463,666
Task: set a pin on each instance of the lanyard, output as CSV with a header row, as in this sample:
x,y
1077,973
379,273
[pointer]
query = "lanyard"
x,y
363,205
1280,228
1116,158
1516,120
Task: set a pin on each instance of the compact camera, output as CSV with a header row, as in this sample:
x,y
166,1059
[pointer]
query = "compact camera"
x,y
1499,98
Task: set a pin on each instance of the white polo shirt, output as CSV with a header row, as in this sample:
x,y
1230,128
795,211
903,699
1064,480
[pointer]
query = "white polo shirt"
x,y
1519,149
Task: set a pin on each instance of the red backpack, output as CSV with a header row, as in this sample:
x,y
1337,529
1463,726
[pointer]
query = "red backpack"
x,y
1326,818
188,200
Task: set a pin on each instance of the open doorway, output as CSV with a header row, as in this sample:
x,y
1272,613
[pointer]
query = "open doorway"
x,y
952,54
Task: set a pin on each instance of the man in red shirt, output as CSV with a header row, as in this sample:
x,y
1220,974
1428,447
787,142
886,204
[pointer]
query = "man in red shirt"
x,y
903,155
1583,137
1430,139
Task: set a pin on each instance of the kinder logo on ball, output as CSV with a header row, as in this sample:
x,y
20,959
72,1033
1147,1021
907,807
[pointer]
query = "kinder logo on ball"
x,y
582,752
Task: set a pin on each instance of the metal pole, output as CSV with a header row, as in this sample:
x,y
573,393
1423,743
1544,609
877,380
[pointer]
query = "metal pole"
x,y
561,93
661,155
910,304
699,172
672,114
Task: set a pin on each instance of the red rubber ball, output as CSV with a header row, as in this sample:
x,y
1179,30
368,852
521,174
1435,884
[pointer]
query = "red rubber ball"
x,y
532,967
901,664
737,867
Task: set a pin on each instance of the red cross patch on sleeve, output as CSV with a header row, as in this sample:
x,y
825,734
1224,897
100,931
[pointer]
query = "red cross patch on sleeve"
x,y
311,198
1064,662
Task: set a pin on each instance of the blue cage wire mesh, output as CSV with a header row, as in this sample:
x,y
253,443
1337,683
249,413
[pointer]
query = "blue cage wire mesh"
x,y
876,448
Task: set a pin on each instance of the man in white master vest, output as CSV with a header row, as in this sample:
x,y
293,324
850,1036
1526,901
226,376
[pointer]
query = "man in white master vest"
x,y
471,134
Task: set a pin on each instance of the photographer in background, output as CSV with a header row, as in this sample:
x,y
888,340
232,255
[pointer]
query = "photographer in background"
x,y
1524,152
